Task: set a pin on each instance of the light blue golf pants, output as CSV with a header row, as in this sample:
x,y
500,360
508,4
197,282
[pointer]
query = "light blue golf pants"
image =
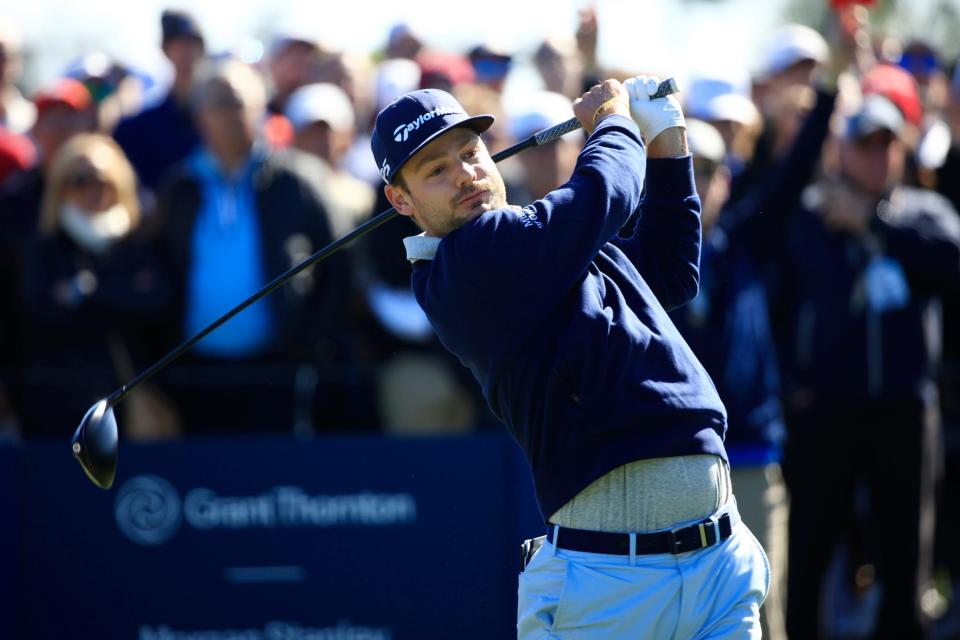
x,y
714,592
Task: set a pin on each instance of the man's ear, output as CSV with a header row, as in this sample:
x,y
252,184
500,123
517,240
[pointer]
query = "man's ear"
x,y
399,199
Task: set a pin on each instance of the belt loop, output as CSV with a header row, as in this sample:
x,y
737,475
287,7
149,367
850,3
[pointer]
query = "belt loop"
x,y
556,538
633,549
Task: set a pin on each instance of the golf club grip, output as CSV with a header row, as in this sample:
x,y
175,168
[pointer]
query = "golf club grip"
x,y
664,89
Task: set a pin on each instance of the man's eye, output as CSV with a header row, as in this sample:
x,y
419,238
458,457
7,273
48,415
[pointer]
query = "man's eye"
x,y
435,171
472,153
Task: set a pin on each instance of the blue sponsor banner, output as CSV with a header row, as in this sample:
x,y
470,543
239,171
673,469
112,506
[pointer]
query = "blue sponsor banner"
x,y
10,507
277,539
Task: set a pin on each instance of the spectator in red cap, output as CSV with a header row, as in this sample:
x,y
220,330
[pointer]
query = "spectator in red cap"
x,y
442,70
63,110
896,85
923,133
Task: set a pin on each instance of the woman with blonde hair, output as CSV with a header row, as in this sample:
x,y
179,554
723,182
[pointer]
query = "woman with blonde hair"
x,y
91,193
94,288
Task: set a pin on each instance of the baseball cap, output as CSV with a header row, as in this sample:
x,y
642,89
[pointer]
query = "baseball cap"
x,y
320,102
393,79
179,24
898,86
489,63
705,141
791,44
441,68
66,91
875,114
919,58
717,97
412,121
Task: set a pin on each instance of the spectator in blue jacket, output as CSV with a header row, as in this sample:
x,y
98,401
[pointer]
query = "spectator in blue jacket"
x,y
564,325
864,264
234,216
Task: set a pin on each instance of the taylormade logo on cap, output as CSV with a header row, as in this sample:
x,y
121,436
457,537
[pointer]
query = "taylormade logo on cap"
x,y
428,112
401,133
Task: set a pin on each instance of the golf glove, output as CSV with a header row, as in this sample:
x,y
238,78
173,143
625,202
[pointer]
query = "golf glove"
x,y
652,116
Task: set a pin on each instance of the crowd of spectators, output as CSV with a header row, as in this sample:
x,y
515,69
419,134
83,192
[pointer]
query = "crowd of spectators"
x,y
827,314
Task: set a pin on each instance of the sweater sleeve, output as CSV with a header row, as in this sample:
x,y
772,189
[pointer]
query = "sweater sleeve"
x,y
540,251
665,245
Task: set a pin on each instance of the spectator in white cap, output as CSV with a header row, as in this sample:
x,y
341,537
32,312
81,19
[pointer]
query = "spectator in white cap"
x,y
324,127
322,119
723,100
393,79
792,53
547,166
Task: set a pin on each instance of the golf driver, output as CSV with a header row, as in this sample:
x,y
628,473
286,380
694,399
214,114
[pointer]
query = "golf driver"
x,y
94,443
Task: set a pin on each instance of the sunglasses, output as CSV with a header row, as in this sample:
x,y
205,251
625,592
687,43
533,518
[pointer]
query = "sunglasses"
x,y
85,181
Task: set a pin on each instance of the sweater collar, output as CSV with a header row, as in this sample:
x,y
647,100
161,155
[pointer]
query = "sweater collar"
x,y
421,247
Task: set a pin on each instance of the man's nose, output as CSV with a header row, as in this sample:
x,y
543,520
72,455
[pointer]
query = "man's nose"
x,y
466,174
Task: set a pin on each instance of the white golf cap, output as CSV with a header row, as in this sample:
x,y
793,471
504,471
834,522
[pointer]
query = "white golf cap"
x,y
537,111
321,102
721,97
393,79
791,44
705,141
876,113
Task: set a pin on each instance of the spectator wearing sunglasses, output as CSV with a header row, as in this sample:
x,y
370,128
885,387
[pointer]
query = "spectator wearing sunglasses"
x,y
92,286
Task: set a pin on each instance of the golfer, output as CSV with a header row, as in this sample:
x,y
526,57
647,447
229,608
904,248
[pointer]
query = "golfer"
x,y
560,313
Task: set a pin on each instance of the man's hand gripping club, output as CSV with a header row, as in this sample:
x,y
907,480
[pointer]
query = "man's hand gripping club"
x,y
660,119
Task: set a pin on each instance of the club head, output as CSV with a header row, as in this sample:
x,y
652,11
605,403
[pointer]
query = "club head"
x,y
95,444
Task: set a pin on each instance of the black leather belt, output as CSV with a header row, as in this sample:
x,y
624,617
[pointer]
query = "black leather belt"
x,y
689,538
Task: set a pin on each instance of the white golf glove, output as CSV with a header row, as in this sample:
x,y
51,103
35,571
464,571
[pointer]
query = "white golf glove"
x,y
652,116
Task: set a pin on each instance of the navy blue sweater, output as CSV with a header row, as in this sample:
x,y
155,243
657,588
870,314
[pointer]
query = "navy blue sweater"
x,y
563,323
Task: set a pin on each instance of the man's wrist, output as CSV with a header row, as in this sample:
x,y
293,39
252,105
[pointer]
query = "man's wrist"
x,y
613,106
669,143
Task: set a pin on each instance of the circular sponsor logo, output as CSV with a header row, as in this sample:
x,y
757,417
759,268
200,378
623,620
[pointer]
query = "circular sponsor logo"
x,y
147,510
